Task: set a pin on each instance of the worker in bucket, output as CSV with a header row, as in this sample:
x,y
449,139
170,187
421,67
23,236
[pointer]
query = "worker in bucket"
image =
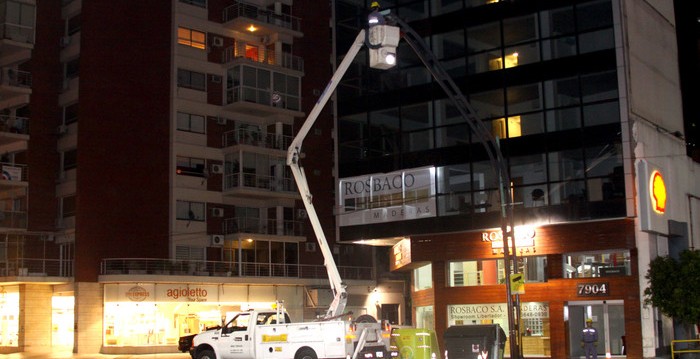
x,y
589,340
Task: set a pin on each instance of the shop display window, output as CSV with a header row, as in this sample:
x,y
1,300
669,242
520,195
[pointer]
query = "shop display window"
x,y
425,317
423,277
490,271
597,264
9,316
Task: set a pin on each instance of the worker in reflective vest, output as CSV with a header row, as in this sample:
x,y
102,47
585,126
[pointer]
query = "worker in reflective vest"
x,y
589,340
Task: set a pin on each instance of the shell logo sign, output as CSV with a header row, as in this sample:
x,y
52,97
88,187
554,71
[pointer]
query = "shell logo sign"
x,y
657,192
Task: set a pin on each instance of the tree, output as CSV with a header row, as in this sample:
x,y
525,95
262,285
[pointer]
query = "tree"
x,y
674,286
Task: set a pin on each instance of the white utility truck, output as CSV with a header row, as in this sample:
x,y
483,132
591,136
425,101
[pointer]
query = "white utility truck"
x,y
262,334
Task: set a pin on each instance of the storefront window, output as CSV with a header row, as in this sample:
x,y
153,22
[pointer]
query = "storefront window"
x,y
490,271
425,317
148,314
423,277
534,322
9,315
597,264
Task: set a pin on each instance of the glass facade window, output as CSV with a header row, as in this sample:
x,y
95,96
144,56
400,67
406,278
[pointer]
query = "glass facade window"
x,y
18,19
597,264
423,277
491,272
257,85
543,119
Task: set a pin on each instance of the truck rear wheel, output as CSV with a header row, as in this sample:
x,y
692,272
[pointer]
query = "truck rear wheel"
x,y
306,353
206,354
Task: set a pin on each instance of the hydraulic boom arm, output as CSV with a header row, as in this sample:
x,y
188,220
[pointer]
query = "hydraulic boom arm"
x,y
293,158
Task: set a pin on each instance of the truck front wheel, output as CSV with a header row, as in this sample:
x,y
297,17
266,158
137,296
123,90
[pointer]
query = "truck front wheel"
x,y
206,354
305,353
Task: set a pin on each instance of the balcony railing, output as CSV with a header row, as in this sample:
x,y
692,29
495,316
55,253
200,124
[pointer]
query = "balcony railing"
x,y
249,11
17,33
260,54
33,267
256,138
14,77
251,180
266,227
14,124
121,266
262,96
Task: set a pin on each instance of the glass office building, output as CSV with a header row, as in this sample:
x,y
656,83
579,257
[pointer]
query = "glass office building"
x,y
575,94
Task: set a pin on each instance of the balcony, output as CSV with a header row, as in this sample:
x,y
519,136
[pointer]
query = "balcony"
x,y
250,225
261,102
241,16
21,36
257,53
243,136
259,185
146,266
36,268
15,87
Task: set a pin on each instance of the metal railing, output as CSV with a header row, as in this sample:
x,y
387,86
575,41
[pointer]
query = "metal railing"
x,y
687,346
36,267
243,136
121,266
19,33
261,54
13,77
249,11
14,124
251,180
259,226
262,96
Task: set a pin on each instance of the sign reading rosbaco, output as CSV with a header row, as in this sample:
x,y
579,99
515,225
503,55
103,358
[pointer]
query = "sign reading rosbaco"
x,y
387,197
467,313
524,240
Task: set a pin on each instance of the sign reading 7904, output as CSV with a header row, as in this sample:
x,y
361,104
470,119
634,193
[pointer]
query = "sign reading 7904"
x,y
592,289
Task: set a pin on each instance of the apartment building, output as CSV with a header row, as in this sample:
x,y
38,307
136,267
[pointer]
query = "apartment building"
x,y
145,190
584,99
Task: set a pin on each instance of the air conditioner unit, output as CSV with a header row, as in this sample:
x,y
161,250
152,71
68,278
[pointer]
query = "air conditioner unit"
x,y
218,169
217,212
65,41
61,129
301,214
217,41
221,120
216,79
217,240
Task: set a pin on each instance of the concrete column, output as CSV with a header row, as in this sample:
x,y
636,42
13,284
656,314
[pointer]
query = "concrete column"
x,y
89,316
35,317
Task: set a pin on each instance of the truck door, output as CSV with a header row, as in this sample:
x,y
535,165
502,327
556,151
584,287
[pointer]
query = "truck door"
x,y
236,339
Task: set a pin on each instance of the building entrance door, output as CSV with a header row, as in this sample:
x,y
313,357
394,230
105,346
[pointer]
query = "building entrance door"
x,y
609,321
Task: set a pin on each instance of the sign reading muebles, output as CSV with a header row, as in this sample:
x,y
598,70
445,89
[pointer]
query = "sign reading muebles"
x,y
387,197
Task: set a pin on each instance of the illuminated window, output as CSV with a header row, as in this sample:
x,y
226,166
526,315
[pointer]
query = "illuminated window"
x,y
597,264
251,52
192,38
510,60
423,277
513,129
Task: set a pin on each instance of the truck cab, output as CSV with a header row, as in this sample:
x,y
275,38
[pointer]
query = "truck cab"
x,y
235,338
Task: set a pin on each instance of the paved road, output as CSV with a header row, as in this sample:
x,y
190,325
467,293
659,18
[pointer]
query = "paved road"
x,y
68,355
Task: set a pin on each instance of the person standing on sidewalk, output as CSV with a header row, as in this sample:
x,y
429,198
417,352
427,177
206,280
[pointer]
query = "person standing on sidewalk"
x,y
589,340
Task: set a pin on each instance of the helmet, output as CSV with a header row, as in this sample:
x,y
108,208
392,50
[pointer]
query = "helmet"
x,y
375,4
589,320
